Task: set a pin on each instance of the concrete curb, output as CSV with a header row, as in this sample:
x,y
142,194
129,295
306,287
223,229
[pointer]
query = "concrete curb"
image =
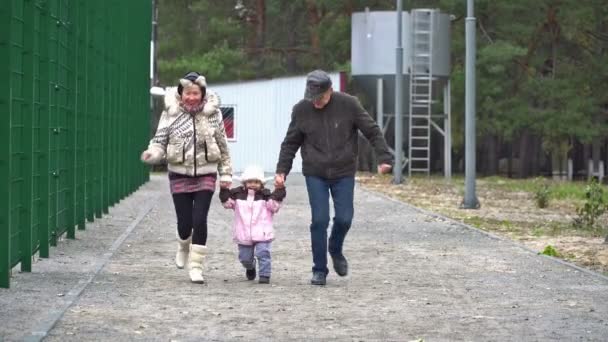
x,y
42,329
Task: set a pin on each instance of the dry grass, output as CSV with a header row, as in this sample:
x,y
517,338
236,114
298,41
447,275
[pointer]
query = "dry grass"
x,y
507,209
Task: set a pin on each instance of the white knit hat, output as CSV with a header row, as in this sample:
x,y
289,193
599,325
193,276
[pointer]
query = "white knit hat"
x,y
253,172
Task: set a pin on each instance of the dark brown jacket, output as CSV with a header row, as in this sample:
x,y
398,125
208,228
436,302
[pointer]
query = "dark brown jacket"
x,y
328,138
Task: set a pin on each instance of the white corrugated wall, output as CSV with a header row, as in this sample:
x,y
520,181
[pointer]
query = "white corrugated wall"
x,y
262,115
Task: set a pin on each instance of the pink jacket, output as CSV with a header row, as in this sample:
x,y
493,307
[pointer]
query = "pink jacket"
x,y
253,212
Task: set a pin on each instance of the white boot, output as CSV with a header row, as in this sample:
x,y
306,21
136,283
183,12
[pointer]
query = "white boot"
x,y
197,257
183,249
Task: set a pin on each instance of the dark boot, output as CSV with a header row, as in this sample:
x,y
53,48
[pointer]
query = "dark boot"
x,y
318,278
264,280
250,274
340,264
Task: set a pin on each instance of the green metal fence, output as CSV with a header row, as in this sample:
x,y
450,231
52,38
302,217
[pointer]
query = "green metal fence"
x,y
74,106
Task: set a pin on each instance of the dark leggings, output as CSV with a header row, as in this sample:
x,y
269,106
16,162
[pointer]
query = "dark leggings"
x,y
192,209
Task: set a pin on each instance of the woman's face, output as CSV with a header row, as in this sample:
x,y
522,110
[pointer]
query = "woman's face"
x,y
192,95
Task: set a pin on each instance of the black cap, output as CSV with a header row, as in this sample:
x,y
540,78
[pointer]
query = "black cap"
x,y
192,76
317,83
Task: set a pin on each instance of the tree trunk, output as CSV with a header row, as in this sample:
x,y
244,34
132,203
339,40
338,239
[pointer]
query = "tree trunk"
x,y
260,34
349,7
492,155
605,156
314,18
292,60
586,157
546,166
535,155
595,154
552,163
524,155
510,160
559,165
440,153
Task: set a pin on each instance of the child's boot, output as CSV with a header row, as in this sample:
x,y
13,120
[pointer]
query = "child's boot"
x,y
250,273
264,280
183,250
197,257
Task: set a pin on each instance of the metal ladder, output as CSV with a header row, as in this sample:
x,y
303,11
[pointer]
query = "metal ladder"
x,y
421,92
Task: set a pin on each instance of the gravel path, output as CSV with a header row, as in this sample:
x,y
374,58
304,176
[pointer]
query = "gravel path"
x,y
412,276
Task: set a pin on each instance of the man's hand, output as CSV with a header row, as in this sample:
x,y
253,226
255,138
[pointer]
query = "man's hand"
x,y
384,168
279,180
225,185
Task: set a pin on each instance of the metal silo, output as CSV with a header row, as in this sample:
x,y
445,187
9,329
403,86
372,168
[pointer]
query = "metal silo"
x,y
426,61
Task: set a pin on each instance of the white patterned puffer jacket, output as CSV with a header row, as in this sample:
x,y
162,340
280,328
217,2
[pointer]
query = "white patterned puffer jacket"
x,y
191,145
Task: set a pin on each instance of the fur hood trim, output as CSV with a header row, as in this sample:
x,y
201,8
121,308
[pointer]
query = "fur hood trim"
x,y
172,100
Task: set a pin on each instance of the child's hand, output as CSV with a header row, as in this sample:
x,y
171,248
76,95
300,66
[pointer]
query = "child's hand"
x,y
224,194
278,194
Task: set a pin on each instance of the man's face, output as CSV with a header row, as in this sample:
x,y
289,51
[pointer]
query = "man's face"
x,y
323,99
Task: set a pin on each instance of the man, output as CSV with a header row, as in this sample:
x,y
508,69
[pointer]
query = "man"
x,y
325,125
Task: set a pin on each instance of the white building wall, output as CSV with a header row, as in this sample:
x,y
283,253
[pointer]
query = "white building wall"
x,y
262,115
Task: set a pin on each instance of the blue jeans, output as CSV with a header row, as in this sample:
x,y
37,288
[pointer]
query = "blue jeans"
x,y
261,250
342,192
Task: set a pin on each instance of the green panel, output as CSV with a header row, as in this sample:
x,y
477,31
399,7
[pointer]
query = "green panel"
x,y
69,19
107,67
116,38
142,105
21,51
91,102
75,95
25,150
16,130
40,202
110,48
5,111
63,133
98,110
124,134
81,108
53,53
36,119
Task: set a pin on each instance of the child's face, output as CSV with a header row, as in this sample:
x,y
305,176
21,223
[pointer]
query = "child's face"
x,y
253,184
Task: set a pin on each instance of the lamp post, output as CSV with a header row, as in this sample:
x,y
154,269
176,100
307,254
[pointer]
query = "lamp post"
x,y
470,198
397,171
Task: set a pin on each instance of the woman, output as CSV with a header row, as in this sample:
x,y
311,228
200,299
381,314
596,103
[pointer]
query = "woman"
x,y
192,139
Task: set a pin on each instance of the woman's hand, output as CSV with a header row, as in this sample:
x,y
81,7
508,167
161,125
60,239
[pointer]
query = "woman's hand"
x,y
145,156
225,185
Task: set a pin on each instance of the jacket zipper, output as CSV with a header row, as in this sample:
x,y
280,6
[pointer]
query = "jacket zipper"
x,y
205,145
251,219
194,125
326,124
